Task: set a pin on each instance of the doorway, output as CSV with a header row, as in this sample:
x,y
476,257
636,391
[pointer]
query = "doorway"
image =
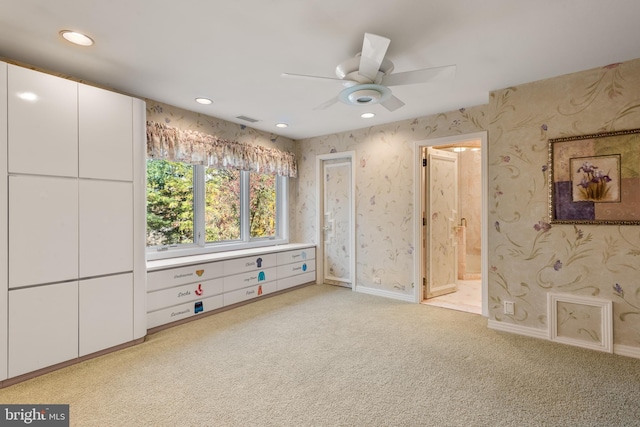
x,y
451,256
336,220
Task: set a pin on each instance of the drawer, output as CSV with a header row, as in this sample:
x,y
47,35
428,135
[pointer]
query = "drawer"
x,y
249,293
300,279
185,293
171,277
296,268
231,283
246,264
289,257
183,311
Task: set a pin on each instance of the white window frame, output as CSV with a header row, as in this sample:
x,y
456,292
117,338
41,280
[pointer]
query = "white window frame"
x,y
200,247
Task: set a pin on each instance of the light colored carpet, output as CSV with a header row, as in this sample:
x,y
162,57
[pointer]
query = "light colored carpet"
x,y
326,356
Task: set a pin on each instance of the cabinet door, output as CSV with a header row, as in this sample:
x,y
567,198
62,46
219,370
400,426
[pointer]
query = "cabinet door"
x,y
43,123
106,227
105,134
43,327
43,230
105,312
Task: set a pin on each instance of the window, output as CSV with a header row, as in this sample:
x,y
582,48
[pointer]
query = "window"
x,y
169,203
195,209
222,205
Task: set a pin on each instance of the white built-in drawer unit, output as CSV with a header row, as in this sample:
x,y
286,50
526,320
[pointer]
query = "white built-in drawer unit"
x,y
179,288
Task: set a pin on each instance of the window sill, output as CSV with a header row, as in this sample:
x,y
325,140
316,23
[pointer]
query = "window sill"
x,y
181,260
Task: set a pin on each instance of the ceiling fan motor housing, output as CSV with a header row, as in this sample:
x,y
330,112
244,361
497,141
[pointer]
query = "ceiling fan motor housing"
x,y
348,71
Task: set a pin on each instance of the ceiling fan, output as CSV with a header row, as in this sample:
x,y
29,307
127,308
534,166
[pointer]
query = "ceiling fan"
x,y
367,76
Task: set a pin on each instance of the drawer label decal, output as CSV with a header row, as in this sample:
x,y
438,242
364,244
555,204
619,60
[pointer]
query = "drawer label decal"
x,y
302,255
262,277
199,273
179,313
181,275
184,294
253,291
199,291
259,262
198,307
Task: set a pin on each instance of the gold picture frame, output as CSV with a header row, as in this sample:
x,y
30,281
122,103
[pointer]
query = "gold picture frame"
x,y
595,179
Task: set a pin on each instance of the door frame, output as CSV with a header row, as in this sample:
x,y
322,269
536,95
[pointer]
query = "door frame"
x,y
320,158
419,189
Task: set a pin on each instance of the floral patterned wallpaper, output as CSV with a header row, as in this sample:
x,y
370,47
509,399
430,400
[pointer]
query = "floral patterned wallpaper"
x,y
384,191
528,257
189,120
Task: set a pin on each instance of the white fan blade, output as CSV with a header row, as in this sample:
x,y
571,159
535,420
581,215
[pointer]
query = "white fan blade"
x,y
306,77
373,50
327,104
392,104
426,75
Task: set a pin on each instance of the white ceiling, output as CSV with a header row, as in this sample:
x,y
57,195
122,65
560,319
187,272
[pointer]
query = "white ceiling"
x,y
234,51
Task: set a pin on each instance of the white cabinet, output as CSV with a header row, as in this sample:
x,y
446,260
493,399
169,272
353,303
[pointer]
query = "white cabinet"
x,y
172,277
105,312
183,294
184,287
106,227
105,134
43,230
295,267
73,213
43,123
239,281
43,326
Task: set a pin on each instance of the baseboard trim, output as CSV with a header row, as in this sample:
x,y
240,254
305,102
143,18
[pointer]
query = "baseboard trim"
x,y
30,375
621,350
625,350
517,329
386,294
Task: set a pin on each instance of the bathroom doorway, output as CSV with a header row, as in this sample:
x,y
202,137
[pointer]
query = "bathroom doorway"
x,y
452,253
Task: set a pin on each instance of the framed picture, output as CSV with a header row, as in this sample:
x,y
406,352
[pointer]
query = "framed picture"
x,y
580,321
595,179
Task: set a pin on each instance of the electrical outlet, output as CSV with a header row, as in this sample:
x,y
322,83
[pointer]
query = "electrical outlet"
x,y
509,307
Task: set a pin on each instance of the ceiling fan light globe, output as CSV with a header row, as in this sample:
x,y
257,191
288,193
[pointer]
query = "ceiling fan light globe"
x,y
364,97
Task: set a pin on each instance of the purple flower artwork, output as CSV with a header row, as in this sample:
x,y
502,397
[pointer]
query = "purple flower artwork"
x,y
595,184
595,179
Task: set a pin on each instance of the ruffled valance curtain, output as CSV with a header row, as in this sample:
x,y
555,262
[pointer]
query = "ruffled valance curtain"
x,y
187,146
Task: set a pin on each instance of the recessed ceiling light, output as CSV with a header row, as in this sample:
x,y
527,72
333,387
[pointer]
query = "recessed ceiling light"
x,y
204,101
76,38
282,125
367,115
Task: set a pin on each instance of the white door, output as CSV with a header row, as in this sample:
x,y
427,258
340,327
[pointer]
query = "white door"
x,y
336,222
441,217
